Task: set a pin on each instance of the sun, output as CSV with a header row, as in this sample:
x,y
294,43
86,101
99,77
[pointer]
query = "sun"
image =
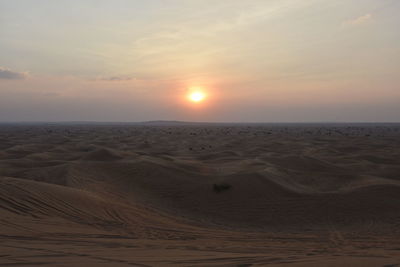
x,y
196,96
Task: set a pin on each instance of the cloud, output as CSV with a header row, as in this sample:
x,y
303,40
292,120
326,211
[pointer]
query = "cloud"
x,y
11,75
359,20
116,78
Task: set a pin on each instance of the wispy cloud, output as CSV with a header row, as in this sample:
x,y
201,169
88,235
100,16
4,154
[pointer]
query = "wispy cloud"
x,y
115,78
359,20
11,75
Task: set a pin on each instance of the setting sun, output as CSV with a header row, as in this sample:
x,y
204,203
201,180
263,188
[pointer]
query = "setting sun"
x,y
197,96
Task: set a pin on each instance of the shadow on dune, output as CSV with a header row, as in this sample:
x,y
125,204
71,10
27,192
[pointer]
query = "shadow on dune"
x,y
254,200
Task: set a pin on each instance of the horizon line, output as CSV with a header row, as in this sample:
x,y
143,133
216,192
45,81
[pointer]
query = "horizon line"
x,y
193,122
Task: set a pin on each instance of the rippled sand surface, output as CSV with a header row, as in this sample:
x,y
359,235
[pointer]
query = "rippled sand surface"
x,y
170,194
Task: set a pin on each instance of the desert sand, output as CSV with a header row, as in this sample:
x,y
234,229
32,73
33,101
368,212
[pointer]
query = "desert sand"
x,y
175,194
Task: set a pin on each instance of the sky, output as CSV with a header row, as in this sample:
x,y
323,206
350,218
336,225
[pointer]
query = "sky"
x,y
255,60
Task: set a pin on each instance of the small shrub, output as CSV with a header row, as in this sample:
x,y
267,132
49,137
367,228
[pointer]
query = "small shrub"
x,y
221,187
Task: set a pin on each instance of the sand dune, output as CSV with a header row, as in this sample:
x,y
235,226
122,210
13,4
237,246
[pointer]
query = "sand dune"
x,y
200,195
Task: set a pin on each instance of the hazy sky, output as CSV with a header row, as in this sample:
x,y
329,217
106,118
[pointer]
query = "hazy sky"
x,y
257,60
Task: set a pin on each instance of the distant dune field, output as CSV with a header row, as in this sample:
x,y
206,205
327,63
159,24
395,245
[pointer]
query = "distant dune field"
x,y
177,194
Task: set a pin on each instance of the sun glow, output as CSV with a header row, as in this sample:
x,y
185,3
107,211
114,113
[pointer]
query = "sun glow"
x,y
196,95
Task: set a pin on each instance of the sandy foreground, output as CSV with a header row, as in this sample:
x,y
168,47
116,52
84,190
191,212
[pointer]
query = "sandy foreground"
x,y
200,195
